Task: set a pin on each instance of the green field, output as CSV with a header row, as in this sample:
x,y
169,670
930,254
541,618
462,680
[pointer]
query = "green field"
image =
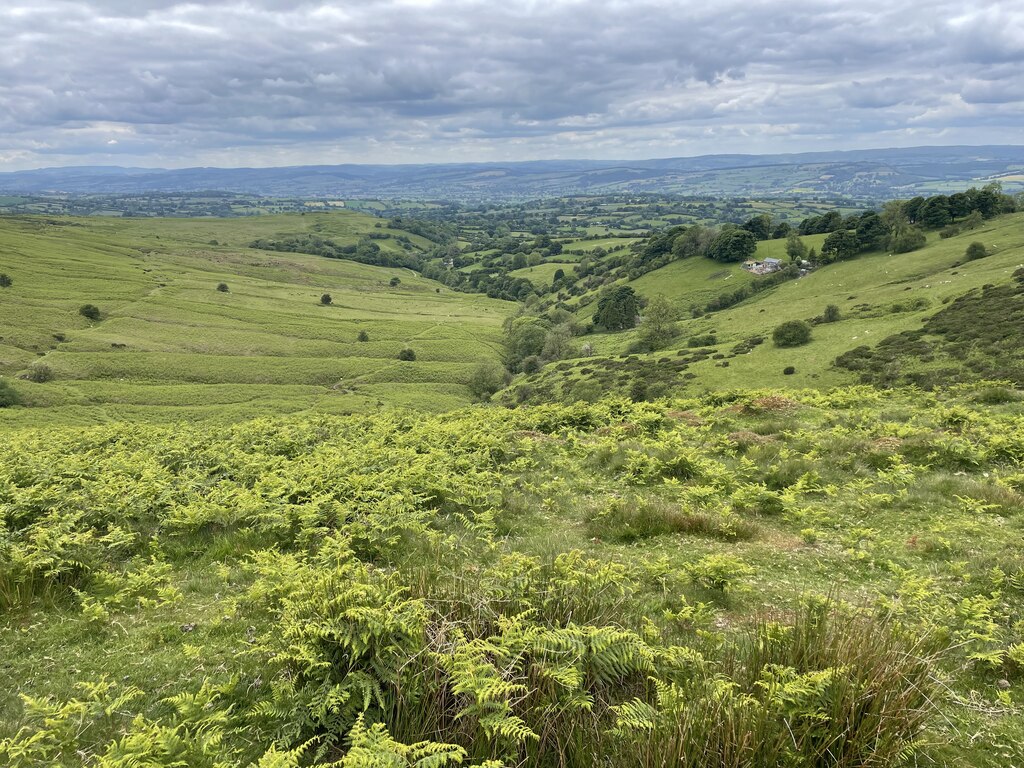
x,y
170,346
878,295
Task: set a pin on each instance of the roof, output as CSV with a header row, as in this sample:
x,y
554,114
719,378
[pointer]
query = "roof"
x,y
773,261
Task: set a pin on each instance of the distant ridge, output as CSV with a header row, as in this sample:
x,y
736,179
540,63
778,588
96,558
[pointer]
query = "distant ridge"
x,y
876,173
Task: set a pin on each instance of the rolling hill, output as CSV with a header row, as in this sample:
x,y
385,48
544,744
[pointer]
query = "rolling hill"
x,y
169,345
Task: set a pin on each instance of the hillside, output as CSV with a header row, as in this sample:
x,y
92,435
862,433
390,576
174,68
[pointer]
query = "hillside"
x,y
621,584
870,173
169,345
878,295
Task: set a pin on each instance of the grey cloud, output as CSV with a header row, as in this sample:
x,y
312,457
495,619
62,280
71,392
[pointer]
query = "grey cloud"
x,y
384,80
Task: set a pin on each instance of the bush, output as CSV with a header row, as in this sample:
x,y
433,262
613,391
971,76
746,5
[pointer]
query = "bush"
x,y
487,379
831,314
363,336
5,280
222,287
789,370
792,333
8,395
530,364
90,311
407,354
40,373
394,281
975,251
326,299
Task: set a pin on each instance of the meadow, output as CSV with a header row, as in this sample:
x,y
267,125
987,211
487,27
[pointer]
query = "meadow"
x,y
169,345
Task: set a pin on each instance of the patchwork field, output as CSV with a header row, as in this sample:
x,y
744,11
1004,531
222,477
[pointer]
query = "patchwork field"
x,y
170,345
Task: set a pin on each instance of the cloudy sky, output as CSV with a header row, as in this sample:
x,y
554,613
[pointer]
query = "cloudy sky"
x,y
268,82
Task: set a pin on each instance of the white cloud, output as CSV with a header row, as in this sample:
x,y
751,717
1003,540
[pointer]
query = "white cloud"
x,y
270,81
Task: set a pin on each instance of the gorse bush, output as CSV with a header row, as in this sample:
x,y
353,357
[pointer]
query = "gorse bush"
x,y
5,280
407,354
222,287
326,299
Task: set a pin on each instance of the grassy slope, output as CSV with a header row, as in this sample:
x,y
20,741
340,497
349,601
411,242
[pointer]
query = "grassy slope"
x,y
879,280
891,498
266,346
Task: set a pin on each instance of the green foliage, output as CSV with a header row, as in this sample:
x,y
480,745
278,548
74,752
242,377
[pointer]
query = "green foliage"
x,y
5,280
326,300
487,379
733,245
40,373
407,354
792,333
975,251
8,394
831,314
222,287
840,245
617,308
89,311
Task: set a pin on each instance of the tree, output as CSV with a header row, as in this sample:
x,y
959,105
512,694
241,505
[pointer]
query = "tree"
x,y
363,336
326,299
871,231
831,314
394,281
222,287
935,212
781,231
486,379
518,261
407,354
5,280
841,244
524,337
657,326
795,248
559,274
90,311
975,251
792,333
733,245
906,238
692,242
617,308
759,226
557,344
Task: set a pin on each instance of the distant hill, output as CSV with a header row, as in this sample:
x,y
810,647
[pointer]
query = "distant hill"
x,y
870,173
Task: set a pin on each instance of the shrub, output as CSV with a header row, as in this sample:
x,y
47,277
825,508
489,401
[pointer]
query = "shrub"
x,y
40,373
407,354
394,281
8,395
5,280
789,370
530,364
326,299
792,333
975,251
222,287
487,379
90,311
831,314
363,336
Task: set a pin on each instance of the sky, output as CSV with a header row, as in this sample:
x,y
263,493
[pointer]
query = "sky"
x,y
159,83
